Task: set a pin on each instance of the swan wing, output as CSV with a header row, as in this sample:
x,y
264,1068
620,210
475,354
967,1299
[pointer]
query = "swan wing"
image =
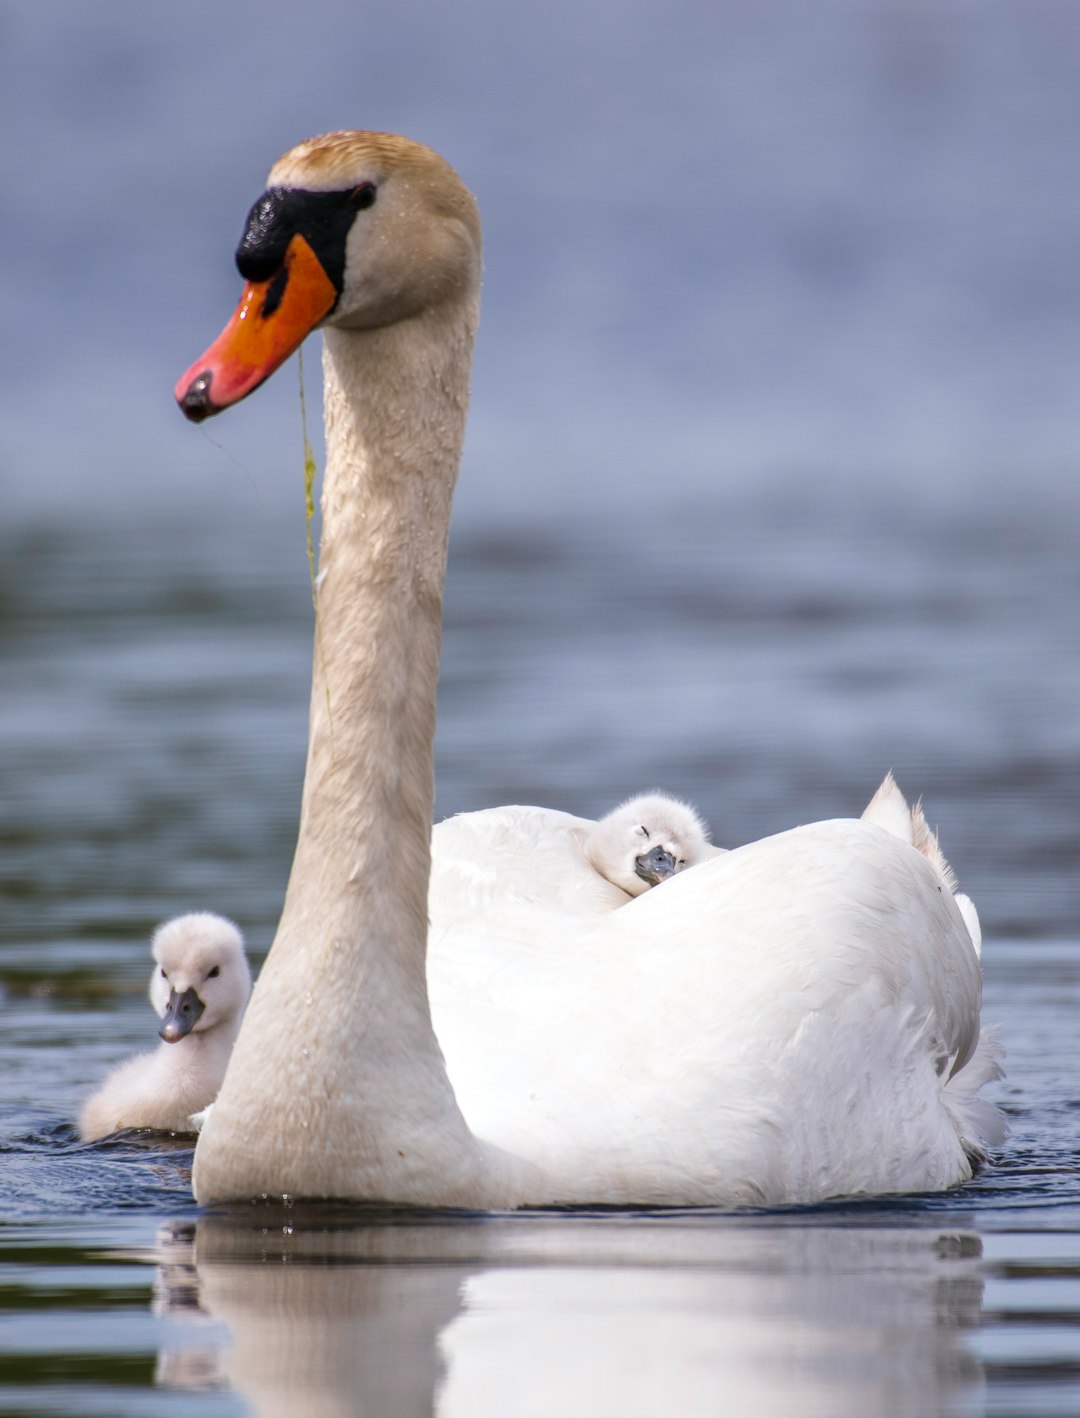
x,y
515,860
781,1022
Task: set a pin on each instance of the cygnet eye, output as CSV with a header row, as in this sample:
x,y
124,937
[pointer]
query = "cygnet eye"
x,y
163,974
363,196
644,831
214,973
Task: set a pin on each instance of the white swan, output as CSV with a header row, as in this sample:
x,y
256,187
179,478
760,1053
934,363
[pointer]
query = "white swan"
x,y
646,840
199,987
792,1020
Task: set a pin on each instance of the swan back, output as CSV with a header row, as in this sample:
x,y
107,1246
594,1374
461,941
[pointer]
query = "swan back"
x,y
515,860
744,1034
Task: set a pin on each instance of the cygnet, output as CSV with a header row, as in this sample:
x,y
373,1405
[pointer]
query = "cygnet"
x,y
199,988
646,840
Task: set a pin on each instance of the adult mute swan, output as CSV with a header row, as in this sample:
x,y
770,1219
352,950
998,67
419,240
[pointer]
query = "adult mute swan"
x,y
792,1020
646,840
198,989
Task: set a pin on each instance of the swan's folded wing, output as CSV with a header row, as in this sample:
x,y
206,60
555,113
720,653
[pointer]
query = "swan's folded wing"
x,y
777,1023
824,909
511,860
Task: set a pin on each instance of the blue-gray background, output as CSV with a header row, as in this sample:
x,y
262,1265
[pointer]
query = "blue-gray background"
x,y
771,482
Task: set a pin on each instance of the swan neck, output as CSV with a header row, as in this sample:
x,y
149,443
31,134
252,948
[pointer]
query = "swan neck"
x,y
369,786
337,1086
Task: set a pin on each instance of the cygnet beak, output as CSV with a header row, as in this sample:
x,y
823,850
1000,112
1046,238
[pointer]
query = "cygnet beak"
x,y
655,866
181,1015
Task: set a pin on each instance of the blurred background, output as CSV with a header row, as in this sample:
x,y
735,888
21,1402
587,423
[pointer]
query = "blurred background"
x,y
771,481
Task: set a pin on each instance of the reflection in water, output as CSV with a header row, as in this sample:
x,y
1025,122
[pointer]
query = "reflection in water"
x,y
311,1314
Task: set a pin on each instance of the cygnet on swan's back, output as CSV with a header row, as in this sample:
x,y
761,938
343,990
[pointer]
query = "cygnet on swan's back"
x,y
199,988
646,840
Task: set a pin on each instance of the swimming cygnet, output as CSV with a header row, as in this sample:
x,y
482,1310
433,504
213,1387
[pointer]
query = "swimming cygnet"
x,y
199,988
646,840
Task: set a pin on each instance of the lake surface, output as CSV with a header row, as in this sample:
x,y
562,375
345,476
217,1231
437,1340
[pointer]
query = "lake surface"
x,y
769,656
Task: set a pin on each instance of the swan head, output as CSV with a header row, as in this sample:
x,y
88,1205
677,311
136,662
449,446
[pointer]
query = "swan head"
x,y
201,978
354,230
646,840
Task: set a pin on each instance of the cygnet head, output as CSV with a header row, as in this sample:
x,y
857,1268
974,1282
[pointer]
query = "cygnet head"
x,y
355,230
201,979
646,840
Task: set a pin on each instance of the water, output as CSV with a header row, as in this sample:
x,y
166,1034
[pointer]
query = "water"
x,y
765,657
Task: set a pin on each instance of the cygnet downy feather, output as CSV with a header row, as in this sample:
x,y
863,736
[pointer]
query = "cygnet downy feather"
x,y
199,988
646,840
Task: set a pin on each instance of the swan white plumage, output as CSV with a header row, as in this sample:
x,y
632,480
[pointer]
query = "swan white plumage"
x,y
889,808
646,840
792,1020
198,989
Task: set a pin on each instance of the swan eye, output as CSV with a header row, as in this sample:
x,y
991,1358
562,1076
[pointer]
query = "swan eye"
x,y
363,196
214,973
163,974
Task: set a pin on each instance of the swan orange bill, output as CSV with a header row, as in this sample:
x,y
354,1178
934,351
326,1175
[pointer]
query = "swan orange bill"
x,y
269,323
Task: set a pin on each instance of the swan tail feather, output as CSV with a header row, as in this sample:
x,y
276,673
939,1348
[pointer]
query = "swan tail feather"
x,y
888,808
924,840
980,1124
